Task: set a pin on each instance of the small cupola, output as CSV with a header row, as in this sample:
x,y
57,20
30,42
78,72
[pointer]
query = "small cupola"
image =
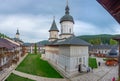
x,y
67,16
17,34
53,32
54,26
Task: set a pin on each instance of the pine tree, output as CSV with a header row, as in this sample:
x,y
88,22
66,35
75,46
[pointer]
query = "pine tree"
x,y
35,48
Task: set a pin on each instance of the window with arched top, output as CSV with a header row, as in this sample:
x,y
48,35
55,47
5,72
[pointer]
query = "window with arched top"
x,y
70,30
55,36
61,30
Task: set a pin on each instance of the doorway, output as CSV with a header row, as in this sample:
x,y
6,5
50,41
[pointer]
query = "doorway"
x,y
79,68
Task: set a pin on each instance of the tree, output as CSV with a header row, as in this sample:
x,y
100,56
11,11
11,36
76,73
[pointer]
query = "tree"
x,y
113,42
96,41
35,48
91,41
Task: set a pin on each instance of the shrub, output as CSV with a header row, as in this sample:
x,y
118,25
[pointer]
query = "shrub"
x,y
92,63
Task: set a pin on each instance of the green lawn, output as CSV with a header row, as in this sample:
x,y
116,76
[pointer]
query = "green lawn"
x,y
14,77
93,62
32,64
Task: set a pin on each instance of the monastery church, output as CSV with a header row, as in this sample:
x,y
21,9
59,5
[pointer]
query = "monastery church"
x,y
66,52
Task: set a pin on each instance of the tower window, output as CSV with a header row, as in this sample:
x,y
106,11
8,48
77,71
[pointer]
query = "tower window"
x,y
80,60
55,36
70,30
61,30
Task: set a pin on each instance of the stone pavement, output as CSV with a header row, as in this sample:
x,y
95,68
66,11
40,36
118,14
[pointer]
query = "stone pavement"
x,y
103,73
37,78
7,71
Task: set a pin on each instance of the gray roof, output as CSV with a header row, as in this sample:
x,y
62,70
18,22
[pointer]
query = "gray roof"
x,y
4,43
67,17
18,32
17,40
27,44
32,44
113,51
103,46
53,26
70,41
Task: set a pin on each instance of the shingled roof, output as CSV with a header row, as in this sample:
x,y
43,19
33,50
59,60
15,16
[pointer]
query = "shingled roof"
x,y
113,53
53,26
103,46
70,41
74,41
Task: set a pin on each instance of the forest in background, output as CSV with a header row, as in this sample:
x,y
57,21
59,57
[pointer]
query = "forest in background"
x,y
99,39
94,39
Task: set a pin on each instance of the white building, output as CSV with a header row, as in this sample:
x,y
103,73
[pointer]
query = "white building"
x,y
101,50
17,38
68,53
30,47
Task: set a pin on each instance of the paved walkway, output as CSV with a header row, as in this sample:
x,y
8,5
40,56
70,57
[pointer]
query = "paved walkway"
x,y
7,71
103,73
37,78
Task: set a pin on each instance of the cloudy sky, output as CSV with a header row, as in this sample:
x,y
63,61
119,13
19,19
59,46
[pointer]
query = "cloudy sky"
x,y
33,18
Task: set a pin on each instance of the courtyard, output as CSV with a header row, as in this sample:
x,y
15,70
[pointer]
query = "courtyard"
x,y
33,64
102,73
33,68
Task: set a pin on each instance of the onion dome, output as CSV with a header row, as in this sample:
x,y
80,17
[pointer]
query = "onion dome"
x,y
67,16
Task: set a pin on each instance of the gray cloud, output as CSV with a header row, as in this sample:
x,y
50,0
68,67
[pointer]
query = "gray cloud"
x,y
34,18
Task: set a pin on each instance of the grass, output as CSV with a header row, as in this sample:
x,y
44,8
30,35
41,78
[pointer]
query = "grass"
x,y
93,63
14,77
32,64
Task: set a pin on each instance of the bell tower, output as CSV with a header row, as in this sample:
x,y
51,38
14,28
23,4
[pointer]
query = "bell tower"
x,y
53,32
67,24
17,34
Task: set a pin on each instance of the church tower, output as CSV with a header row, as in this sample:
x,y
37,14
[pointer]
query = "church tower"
x,y
67,24
17,34
53,32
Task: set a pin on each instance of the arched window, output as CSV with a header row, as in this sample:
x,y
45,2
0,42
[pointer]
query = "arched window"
x,y
61,30
55,36
70,30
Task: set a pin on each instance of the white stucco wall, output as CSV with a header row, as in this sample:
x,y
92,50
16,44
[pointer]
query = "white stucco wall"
x,y
53,34
65,35
79,55
68,58
67,27
64,50
76,51
17,36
